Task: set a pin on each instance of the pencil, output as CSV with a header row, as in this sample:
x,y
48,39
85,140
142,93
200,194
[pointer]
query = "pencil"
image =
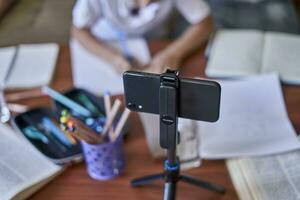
x,y
107,105
121,124
83,129
110,118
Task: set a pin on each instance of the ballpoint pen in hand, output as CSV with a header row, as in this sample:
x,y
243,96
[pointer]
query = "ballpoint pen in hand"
x,y
4,110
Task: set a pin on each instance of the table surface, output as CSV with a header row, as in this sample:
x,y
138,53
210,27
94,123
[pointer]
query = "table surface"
x,y
74,183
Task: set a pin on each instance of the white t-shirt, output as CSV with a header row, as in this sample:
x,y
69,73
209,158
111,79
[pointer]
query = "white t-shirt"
x,y
89,14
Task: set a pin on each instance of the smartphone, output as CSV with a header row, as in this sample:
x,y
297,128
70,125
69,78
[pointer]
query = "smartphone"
x,y
198,99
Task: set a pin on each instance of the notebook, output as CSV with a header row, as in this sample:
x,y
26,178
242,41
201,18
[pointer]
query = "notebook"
x,y
23,170
248,52
97,75
33,66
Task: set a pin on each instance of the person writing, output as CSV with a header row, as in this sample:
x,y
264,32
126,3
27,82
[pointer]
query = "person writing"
x,y
97,21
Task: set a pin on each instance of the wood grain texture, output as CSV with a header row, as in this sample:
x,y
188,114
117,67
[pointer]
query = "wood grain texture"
x,y
75,184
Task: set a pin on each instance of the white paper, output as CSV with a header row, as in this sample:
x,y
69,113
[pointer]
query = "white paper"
x,y
20,164
281,54
6,56
34,65
187,150
235,53
253,120
98,76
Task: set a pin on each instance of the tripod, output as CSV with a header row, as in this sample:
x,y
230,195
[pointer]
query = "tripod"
x,y
169,138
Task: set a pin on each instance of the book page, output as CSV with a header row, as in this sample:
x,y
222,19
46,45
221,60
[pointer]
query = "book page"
x,y
20,164
235,53
239,180
273,177
97,75
253,120
34,66
281,54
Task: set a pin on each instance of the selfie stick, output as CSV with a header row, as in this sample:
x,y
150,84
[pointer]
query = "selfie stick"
x,y
169,139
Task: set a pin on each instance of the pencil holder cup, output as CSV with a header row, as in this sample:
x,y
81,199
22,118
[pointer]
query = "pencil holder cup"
x,y
104,161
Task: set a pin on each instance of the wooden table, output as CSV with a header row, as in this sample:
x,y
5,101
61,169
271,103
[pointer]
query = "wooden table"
x,y
75,183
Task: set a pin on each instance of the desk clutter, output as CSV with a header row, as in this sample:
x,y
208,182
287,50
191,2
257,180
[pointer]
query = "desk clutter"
x,y
79,124
253,122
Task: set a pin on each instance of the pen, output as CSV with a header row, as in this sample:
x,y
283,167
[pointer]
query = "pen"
x,y
33,133
50,126
66,101
88,104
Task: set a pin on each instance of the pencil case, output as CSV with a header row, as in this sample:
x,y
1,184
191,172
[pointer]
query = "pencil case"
x,y
40,126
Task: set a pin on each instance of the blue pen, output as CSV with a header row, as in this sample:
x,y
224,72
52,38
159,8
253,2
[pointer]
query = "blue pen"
x,y
33,133
51,127
123,43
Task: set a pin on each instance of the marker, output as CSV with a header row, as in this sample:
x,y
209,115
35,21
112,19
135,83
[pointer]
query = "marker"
x,y
66,101
87,103
33,133
50,126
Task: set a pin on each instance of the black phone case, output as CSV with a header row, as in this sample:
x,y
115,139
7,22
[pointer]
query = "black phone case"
x,y
198,99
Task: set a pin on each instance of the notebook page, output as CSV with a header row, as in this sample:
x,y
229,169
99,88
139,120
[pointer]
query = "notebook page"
x,y
6,56
96,74
20,164
282,55
34,66
235,53
253,121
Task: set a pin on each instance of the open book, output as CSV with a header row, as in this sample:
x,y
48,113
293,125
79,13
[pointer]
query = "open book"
x,y
266,178
249,52
28,65
23,170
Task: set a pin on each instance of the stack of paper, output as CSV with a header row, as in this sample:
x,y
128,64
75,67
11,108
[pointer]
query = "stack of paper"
x,y
33,66
253,121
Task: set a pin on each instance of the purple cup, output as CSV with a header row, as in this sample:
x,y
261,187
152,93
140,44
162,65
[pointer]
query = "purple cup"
x,y
104,161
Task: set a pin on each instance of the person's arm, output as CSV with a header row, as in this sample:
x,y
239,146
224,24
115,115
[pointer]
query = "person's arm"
x,y
100,49
191,40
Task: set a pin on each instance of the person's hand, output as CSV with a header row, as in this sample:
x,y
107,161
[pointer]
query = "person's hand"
x,y
162,61
121,64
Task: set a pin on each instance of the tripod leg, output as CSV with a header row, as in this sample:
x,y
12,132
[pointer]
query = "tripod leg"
x,y
203,184
170,191
146,179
